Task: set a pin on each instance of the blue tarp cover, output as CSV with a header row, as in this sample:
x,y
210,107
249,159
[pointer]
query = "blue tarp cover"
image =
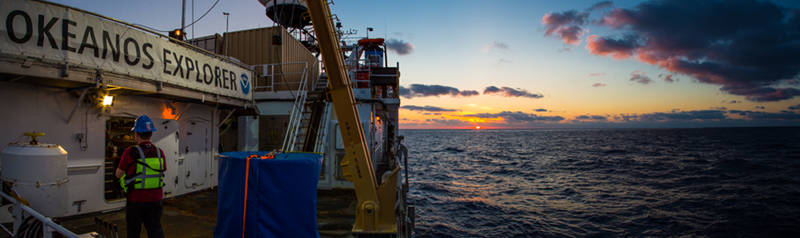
x,y
281,195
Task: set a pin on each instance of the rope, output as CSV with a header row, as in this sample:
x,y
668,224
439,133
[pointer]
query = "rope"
x,y
271,155
246,180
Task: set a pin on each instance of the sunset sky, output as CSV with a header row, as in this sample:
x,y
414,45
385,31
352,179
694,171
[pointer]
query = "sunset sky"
x,y
553,64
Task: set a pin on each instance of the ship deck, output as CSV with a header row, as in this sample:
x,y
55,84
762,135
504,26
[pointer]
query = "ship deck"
x,y
195,215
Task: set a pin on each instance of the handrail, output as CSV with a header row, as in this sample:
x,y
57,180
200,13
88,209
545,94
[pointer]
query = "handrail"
x,y
295,117
322,134
268,71
48,225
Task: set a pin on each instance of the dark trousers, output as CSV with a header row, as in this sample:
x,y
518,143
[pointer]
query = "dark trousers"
x,y
148,213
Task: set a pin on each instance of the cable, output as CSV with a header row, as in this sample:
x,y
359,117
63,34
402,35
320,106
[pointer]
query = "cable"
x,y
30,227
204,14
150,28
190,24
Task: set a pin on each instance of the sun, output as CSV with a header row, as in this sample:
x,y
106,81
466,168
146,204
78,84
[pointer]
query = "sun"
x,y
477,127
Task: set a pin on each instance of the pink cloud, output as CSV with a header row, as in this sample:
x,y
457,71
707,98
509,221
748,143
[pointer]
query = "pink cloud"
x,y
617,49
748,48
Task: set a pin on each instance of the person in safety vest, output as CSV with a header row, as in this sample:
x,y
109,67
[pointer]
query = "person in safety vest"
x,y
141,172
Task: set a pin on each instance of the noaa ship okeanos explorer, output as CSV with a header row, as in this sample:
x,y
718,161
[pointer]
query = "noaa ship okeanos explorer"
x,y
72,83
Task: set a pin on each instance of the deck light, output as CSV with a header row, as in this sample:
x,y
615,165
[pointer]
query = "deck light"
x,y
108,100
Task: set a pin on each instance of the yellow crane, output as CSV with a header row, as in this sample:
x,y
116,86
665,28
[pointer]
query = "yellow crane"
x,y
375,210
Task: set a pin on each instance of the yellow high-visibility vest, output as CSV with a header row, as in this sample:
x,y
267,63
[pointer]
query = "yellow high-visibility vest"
x,y
149,173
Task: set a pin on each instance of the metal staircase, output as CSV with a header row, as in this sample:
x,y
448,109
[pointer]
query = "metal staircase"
x,y
308,121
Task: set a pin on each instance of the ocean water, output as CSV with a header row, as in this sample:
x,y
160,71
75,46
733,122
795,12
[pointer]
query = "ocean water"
x,y
721,182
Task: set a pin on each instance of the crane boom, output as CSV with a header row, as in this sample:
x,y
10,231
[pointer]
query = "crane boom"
x,y
375,212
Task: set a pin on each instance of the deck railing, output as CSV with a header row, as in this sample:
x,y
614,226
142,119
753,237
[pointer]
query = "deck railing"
x,y
48,226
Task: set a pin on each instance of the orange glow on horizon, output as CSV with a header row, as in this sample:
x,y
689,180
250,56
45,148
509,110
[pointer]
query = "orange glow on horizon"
x,y
477,127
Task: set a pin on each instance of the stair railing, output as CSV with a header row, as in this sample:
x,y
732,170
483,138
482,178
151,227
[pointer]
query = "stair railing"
x,y
297,112
322,134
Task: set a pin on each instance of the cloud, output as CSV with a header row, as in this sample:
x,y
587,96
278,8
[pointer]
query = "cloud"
x,y
504,61
427,108
762,107
668,78
405,92
510,92
597,85
422,90
795,107
468,93
753,115
399,46
540,110
517,116
596,74
675,116
640,77
449,122
617,48
717,117
734,102
495,45
569,25
707,115
601,5
591,117
746,47
500,45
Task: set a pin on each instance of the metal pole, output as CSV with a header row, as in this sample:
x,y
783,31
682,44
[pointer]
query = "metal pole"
x,y
17,212
192,19
227,16
183,16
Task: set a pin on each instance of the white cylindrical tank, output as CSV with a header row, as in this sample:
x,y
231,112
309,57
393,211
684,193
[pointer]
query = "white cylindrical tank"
x,y
38,173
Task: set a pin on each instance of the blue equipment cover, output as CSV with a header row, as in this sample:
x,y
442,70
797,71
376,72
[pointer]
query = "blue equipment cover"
x,y
281,195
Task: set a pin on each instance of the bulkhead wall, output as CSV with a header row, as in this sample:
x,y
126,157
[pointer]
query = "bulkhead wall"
x,y
185,131
273,45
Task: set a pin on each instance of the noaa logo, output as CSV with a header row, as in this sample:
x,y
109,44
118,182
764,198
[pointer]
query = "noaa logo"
x,y
245,84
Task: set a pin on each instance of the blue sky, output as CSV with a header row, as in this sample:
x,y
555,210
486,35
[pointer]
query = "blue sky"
x,y
471,45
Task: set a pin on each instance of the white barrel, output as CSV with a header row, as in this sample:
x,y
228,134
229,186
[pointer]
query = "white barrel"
x,y
38,173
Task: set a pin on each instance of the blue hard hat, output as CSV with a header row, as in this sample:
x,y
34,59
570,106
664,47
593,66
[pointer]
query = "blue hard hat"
x,y
143,124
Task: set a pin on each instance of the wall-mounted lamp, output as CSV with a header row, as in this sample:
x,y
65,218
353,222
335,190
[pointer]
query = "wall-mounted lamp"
x,y
108,100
